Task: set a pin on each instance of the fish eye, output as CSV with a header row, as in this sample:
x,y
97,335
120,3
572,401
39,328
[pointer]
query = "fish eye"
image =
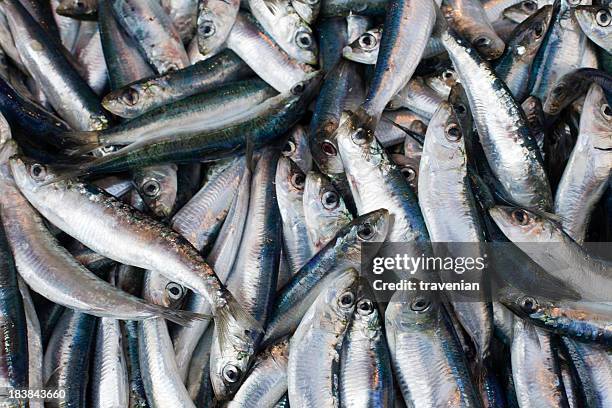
x,y
528,304
151,188
207,28
520,217
298,180
230,373
481,42
603,18
328,148
346,299
303,40
330,200
365,307
606,111
38,172
79,5
174,290
288,148
460,109
559,90
538,29
452,132
365,232
298,88
420,304
530,6
448,74
408,173
368,41
360,136
130,97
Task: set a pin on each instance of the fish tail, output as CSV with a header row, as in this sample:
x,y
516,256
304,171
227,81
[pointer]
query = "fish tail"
x,y
180,317
79,143
233,311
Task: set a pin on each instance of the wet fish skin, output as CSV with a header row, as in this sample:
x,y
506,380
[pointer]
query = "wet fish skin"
x,y
78,9
157,39
312,381
333,37
588,170
214,23
266,381
343,8
324,210
144,95
35,346
595,22
183,14
408,25
365,48
468,17
66,359
254,273
290,183
68,93
534,367
157,187
514,66
268,60
342,252
520,173
572,86
366,378
416,325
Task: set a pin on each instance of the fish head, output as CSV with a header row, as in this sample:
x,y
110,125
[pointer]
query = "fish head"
x,y
365,48
411,310
595,20
336,302
521,11
157,185
522,225
290,182
529,35
444,142
596,118
79,9
371,228
321,198
521,303
162,291
296,148
132,99
304,44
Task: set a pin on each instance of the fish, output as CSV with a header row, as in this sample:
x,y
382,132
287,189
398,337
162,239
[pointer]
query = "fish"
x,y
595,23
320,335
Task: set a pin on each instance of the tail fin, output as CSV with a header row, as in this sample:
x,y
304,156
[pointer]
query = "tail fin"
x,y
246,329
180,317
78,143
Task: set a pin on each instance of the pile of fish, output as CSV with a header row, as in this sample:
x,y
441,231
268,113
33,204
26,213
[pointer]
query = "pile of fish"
x,y
187,189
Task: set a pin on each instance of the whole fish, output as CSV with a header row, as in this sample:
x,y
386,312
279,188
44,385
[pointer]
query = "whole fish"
x,y
520,173
118,235
254,273
312,382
